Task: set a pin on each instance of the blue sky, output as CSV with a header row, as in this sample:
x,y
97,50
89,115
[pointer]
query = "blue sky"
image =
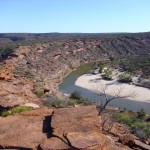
x,y
90,16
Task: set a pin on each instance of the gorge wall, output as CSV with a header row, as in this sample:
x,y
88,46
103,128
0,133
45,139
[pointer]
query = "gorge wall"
x,y
41,66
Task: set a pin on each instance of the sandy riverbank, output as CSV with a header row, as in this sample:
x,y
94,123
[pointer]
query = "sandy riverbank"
x,y
95,82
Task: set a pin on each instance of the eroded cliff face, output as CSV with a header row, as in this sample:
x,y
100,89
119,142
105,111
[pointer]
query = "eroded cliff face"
x,y
38,69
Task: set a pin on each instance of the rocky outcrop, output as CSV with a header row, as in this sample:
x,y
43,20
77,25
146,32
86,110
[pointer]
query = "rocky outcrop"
x,y
65,128
6,70
77,128
23,131
76,122
86,140
17,91
115,127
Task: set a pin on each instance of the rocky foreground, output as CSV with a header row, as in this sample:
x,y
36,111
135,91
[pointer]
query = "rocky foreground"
x,y
56,129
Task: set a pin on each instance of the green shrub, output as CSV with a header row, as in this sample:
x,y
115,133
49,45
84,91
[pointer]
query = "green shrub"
x,y
76,98
112,58
75,95
20,109
5,113
107,74
15,110
84,101
39,93
136,125
124,118
101,67
125,77
81,101
58,103
72,102
141,114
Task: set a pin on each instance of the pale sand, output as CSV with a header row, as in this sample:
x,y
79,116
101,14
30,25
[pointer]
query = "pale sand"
x,y
95,82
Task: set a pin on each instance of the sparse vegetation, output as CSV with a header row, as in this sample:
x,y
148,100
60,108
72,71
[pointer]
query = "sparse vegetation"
x,y
20,109
137,65
101,66
112,58
15,110
72,102
76,98
29,74
39,93
57,103
136,125
141,114
5,113
75,95
125,77
81,101
107,74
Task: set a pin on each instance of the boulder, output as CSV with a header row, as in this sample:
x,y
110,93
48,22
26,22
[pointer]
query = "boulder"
x,y
118,129
86,140
54,143
17,92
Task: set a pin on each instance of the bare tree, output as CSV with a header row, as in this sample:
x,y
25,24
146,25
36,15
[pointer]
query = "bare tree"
x,y
118,93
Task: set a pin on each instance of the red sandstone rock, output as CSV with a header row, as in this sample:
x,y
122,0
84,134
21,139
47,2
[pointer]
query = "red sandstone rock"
x,y
81,120
21,132
59,129
127,140
86,140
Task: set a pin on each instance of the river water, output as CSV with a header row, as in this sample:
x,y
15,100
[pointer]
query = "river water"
x,y
68,86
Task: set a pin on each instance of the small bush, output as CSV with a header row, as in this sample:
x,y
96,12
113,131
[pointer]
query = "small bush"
x,y
136,125
20,109
141,114
76,98
101,67
57,103
84,101
75,95
124,118
15,110
81,101
112,58
39,93
125,77
72,102
107,74
5,113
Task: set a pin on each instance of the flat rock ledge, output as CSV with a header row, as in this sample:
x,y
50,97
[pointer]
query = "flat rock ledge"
x,y
58,129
